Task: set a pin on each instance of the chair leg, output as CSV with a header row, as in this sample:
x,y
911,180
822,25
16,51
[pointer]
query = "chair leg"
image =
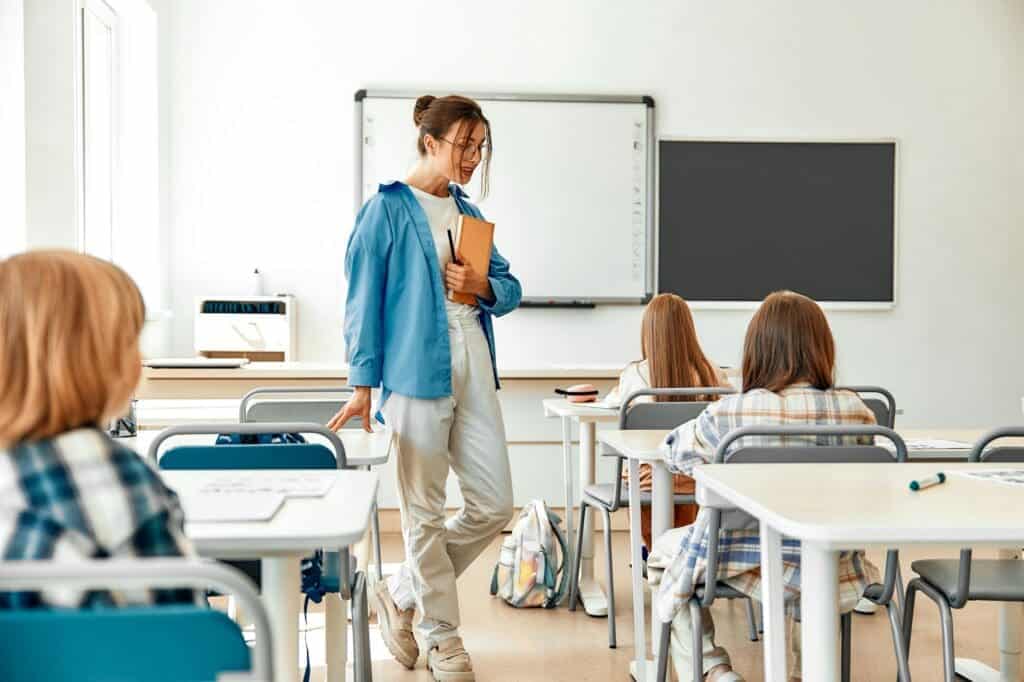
x,y
609,576
574,582
751,620
901,591
845,627
946,618
898,642
376,542
362,663
697,639
910,598
663,651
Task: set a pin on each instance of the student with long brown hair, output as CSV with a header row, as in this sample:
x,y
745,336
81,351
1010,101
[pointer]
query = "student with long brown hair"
x,y
69,362
788,378
671,357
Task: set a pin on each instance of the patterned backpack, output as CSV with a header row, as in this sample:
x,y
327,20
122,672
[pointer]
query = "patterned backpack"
x,y
526,573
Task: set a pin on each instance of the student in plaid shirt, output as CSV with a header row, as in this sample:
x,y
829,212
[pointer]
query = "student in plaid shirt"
x,y
788,378
69,361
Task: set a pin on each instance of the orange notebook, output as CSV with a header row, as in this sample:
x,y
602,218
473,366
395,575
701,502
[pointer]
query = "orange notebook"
x,y
474,238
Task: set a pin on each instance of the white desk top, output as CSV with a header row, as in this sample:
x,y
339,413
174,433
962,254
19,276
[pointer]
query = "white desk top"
x,y
560,407
849,505
302,524
361,448
643,444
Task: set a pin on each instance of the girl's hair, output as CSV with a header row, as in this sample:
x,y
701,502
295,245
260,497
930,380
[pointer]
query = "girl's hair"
x,y
668,340
69,343
434,116
788,341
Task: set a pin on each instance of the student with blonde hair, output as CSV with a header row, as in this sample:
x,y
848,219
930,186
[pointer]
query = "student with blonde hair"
x,y
69,362
788,378
671,357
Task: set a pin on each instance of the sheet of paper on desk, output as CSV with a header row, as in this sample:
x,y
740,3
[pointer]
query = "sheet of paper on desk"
x,y
925,444
936,444
1014,477
291,484
234,506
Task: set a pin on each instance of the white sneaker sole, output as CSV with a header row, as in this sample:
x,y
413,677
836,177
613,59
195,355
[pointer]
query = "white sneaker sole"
x,y
442,676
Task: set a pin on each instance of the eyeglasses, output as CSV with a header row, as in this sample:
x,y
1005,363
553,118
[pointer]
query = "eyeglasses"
x,y
469,148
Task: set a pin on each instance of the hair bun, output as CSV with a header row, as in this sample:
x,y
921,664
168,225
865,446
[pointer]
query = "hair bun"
x,y
422,104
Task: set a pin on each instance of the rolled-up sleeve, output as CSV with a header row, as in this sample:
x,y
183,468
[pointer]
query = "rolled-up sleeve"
x,y
506,288
366,269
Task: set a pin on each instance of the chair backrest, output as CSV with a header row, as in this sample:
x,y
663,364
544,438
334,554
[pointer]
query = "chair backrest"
x,y
261,456
664,415
158,643
655,415
883,406
1002,454
294,409
811,452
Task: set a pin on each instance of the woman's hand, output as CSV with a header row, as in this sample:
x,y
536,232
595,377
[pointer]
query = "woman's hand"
x,y
358,406
463,279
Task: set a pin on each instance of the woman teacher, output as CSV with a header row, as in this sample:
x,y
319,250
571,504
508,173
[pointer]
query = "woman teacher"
x,y
434,361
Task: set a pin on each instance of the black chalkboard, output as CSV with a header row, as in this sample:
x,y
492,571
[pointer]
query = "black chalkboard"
x,y
738,220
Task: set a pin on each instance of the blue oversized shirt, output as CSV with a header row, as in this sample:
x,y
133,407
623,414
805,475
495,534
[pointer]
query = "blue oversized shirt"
x,y
396,327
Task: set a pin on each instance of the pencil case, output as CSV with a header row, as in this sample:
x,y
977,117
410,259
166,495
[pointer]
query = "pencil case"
x,y
580,393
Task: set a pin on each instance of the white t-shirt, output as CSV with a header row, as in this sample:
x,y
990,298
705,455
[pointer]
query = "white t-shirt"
x,y
637,375
443,215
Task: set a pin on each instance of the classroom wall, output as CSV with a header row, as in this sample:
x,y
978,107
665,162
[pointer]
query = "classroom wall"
x,y
260,154
12,127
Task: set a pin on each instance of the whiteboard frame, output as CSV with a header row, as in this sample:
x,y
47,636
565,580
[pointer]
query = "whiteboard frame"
x,y
877,306
650,274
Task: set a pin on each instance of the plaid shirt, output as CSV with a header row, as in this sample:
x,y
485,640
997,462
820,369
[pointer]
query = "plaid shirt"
x,y
682,552
79,496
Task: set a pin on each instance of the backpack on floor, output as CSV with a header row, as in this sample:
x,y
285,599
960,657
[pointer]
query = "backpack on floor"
x,y
526,573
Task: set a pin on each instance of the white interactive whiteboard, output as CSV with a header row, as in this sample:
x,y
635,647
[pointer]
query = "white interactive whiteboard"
x,y
571,187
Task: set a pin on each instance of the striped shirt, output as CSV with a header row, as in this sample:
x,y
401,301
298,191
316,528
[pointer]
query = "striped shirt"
x,y
79,496
681,553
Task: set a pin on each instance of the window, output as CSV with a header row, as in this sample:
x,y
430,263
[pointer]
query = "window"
x,y
99,128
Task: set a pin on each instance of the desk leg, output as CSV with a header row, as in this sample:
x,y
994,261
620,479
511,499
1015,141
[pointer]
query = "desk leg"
x,y
819,573
772,599
570,501
281,597
661,522
594,601
1010,616
336,636
640,663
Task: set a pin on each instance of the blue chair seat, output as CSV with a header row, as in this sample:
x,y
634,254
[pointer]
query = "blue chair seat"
x,y
159,644
268,456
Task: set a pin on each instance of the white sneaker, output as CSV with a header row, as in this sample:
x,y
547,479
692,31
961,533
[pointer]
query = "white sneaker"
x,y
865,606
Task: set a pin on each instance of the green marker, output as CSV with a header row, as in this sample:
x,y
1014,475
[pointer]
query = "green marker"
x,y
928,482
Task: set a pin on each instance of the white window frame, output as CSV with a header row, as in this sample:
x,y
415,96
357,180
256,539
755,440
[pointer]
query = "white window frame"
x,y
104,13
